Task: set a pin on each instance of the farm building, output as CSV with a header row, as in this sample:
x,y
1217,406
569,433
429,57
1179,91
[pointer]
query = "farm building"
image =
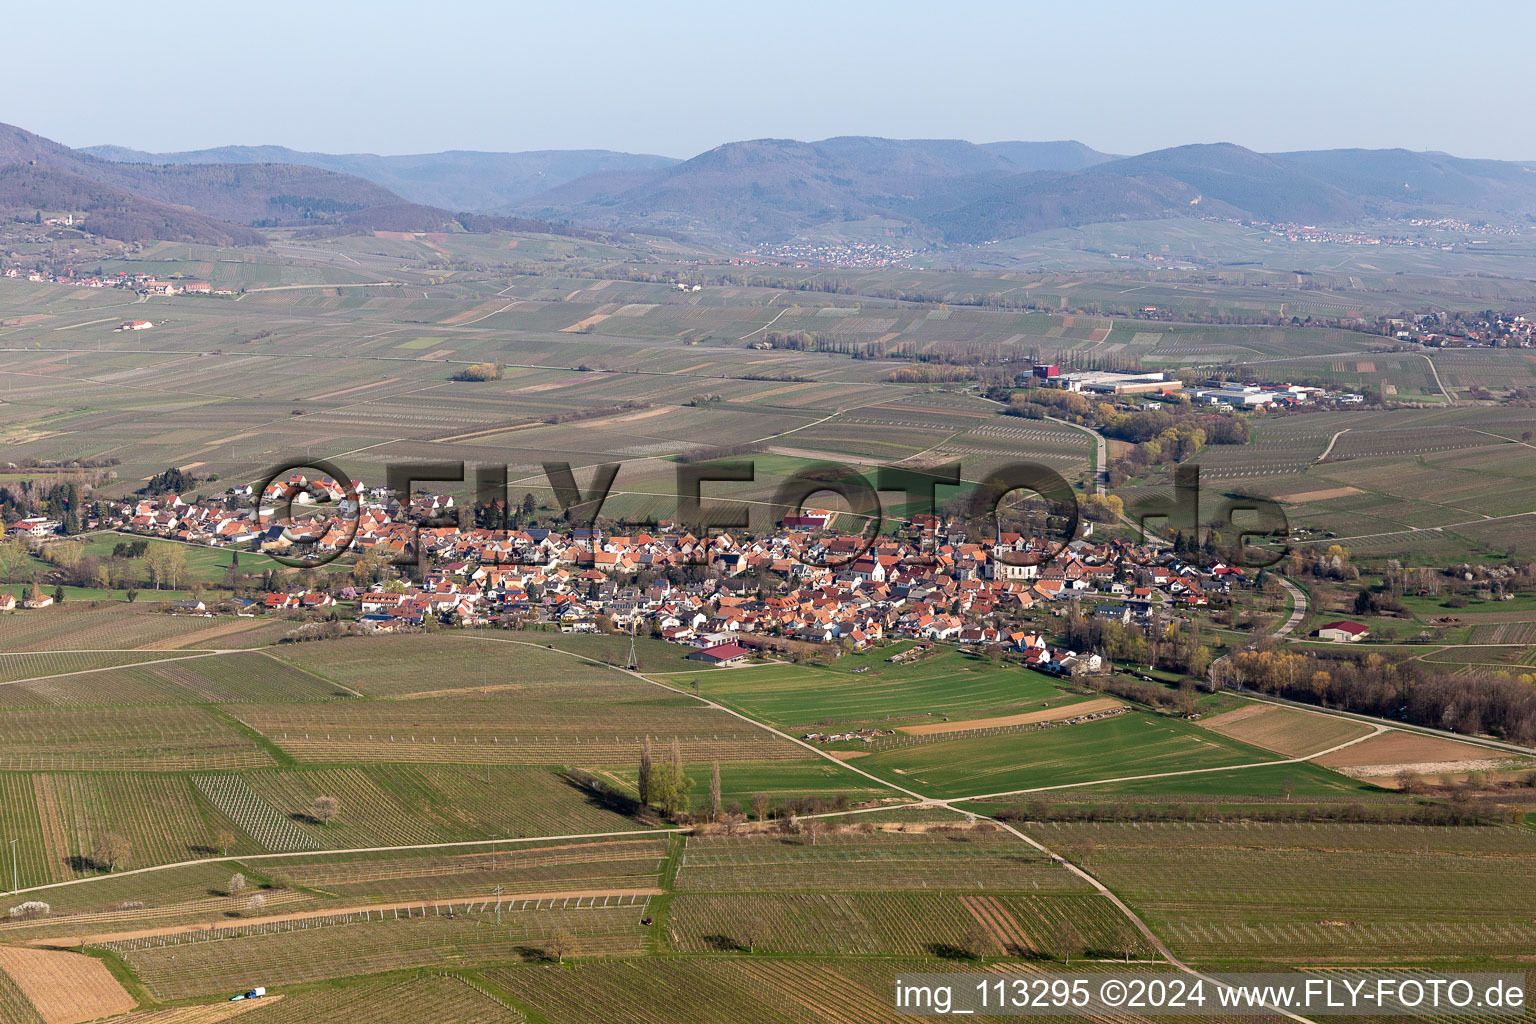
x,y
1341,631
135,325
1110,382
718,656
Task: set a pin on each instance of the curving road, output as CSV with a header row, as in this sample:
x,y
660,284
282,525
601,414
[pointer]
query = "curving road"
x,y
1101,466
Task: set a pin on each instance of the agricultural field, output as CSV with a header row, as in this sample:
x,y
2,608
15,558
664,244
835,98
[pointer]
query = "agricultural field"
x,y
861,923
336,946
621,863
387,1001
133,738
64,987
947,684
1288,731
102,626
957,860
439,666
552,724
21,667
397,805
1124,745
1318,893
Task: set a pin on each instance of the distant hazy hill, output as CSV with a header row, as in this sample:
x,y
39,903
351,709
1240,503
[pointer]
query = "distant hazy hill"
x,y
112,212
244,193
1048,156
454,180
1260,185
771,189
1026,203
1423,179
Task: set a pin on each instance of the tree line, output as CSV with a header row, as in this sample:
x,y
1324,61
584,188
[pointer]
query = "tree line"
x,y
1475,703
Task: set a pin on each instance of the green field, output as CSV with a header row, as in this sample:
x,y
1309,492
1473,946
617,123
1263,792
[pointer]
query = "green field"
x,y
948,683
1126,745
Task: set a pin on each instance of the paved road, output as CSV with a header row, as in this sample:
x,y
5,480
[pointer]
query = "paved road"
x,y
1101,473
1298,607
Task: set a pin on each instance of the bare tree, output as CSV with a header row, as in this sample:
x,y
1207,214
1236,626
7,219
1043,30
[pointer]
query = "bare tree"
x,y
560,943
815,828
751,928
325,809
1127,940
111,851
714,792
1067,940
760,806
1085,852
979,941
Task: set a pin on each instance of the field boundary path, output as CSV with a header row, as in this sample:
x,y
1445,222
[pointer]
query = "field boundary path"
x,y
446,903
1331,442
240,858
1435,371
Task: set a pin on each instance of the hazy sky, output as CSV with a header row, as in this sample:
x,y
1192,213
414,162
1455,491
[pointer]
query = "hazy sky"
x,y
678,78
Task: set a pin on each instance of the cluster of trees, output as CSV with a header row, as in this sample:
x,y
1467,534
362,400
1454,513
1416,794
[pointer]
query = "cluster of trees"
x,y
480,372
1165,644
1409,691
795,341
597,413
931,374
709,453
171,481
1394,813
160,564
665,785
492,515
99,462
1101,508
62,500
1038,403
1331,563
